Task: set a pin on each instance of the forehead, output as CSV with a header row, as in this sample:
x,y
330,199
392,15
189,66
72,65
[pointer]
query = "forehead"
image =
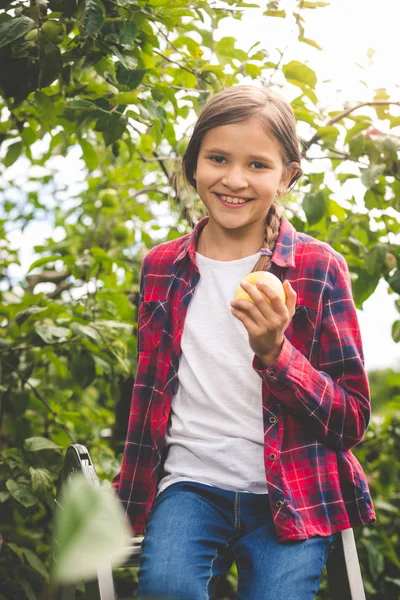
x,y
243,138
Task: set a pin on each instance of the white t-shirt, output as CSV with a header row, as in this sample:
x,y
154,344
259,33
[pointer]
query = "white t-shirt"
x,y
216,434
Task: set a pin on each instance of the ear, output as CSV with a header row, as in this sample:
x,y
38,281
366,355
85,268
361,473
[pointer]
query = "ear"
x,y
290,171
194,175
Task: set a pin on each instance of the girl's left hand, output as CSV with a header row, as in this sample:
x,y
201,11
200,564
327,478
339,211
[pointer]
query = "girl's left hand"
x,y
265,323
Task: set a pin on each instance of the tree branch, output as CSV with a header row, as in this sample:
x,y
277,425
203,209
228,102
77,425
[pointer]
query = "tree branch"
x,y
342,115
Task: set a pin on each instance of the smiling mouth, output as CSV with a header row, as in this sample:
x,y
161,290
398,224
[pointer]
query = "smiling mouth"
x,y
233,199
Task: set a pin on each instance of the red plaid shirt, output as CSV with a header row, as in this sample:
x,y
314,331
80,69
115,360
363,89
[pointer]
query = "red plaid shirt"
x,y
315,397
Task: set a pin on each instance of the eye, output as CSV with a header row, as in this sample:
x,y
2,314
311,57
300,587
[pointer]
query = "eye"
x,y
217,159
259,165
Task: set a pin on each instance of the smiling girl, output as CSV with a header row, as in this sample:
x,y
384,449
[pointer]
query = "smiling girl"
x,y
243,413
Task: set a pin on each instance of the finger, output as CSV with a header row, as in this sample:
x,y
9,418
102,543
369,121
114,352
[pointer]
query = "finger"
x,y
273,299
248,308
247,321
291,297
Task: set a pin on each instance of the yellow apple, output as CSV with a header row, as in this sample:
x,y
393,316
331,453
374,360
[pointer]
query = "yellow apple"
x,y
265,277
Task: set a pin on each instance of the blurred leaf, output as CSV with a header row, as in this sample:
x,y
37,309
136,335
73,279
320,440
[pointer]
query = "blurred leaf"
x,y
36,563
21,492
91,531
52,333
41,479
314,206
94,17
14,29
297,72
369,176
13,153
35,444
375,558
89,155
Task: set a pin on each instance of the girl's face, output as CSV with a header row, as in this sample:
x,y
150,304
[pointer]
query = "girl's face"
x,y
239,171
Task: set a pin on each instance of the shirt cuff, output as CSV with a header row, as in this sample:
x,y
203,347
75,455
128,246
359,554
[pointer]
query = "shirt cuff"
x,y
277,371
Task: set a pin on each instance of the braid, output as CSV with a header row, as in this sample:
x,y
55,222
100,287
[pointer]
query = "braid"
x,y
272,225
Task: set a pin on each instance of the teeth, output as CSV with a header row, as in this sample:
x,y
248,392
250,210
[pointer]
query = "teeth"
x,y
233,200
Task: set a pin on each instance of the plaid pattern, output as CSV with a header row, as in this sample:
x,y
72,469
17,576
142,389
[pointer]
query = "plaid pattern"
x,y
315,397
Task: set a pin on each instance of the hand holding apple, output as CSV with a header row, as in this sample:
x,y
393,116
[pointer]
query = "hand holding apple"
x,y
266,313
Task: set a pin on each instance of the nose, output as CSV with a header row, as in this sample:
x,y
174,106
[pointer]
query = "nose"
x,y
234,178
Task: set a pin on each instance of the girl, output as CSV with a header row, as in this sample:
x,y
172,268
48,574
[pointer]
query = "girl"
x,y
244,413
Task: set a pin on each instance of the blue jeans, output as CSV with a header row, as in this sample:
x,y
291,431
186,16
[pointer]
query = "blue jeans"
x,y
195,532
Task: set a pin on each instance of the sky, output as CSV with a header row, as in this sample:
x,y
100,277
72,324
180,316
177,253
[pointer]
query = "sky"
x,y
345,30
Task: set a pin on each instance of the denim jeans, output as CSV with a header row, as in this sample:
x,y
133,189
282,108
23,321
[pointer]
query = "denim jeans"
x,y
195,532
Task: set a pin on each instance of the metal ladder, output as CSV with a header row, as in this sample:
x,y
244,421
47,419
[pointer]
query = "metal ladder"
x,y
343,568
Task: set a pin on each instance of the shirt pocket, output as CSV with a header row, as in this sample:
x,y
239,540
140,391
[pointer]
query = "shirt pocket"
x,y
151,324
302,330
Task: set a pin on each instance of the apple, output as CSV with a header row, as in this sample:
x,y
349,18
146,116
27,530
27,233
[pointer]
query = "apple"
x,y
264,277
54,31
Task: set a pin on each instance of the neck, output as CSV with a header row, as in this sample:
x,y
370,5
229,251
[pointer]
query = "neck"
x,y
228,247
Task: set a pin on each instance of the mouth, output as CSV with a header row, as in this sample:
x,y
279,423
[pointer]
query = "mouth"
x,y
233,201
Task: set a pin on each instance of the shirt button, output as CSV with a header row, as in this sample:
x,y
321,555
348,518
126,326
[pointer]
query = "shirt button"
x,y
271,374
273,420
272,456
279,504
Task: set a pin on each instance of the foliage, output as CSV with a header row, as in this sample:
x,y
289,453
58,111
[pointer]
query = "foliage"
x,y
385,390
118,83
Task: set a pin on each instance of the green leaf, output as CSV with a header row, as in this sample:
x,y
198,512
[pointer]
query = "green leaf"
x,y
43,261
82,105
89,155
314,205
396,332
13,29
226,51
23,315
46,110
13,153
328,134
83,368
358,127
394,281
50,64
112,127
363,287
35,444
375,259
129,78
41,479
297,72
128,33
275,13
51,333
91,531
94,17
369,176
310,42
314,5
36,563
375,558
21,492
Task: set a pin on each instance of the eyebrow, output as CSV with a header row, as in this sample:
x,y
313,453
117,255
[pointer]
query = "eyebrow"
x,y
252,157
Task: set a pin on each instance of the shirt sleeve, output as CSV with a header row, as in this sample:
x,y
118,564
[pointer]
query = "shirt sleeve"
x,y
332,394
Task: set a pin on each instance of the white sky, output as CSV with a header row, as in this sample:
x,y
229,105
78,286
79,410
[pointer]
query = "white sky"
x,y
345,30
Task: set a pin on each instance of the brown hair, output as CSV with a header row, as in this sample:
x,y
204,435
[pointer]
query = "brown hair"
x,y
237,104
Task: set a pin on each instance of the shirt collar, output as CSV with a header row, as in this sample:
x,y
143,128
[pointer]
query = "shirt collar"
x,y
285,247
190,244
284,252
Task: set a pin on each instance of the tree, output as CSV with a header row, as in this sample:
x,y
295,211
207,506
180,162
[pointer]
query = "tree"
x,y
119,80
